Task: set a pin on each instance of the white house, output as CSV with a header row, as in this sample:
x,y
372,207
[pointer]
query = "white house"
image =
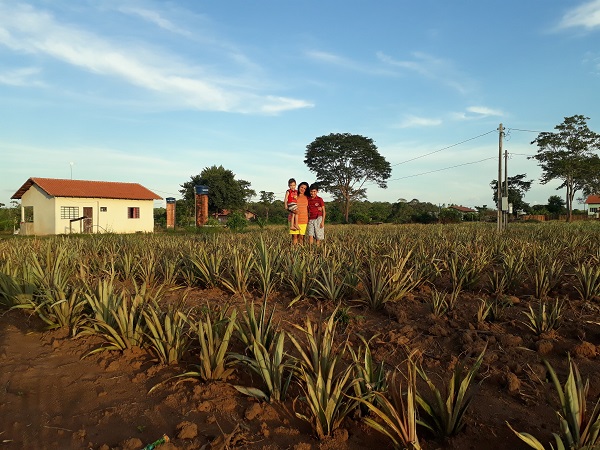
x,y
593,202
54,206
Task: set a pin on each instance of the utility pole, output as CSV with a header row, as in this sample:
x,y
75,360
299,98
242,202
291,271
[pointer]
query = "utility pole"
x,y
506,214
499,193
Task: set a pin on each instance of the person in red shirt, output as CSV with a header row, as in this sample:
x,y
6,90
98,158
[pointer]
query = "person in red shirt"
x,y
316,216
291,204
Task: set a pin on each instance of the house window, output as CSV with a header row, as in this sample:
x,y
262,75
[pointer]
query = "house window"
x,y
69,212
133,212
28,213
103,209
593,210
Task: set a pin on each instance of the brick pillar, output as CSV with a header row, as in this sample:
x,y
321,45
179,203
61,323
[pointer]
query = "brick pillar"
x,y
170,212
201,209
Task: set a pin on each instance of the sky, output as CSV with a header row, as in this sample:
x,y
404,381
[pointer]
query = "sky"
x,y
153,92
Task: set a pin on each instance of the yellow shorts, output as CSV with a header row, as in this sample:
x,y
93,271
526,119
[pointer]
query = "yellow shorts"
x,y
301,231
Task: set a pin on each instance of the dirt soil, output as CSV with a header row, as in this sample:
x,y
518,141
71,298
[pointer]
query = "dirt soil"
x,y
52,397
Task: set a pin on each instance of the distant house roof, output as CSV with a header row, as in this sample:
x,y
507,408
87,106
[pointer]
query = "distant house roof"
x,y
88,189
226,213
462,209
593,199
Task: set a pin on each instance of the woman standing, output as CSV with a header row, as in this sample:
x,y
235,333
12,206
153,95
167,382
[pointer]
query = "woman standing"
x,y
302,212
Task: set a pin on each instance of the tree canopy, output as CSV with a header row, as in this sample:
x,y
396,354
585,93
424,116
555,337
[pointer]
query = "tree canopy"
x,y
224,191
517,188
344,163
556,205
568,155
266,199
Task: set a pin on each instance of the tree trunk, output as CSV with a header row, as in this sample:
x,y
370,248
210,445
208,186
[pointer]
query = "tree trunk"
x,y
570,195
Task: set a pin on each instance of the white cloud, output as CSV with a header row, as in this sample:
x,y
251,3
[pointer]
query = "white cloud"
x,y
586,15
279,104
346,63
21,77
592,60
329,58
484,111
477,112
156,18
26,30
430,67
414,122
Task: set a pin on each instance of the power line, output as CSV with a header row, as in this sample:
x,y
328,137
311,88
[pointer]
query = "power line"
x,y
520,154
445,148
163,192
527,131
439,170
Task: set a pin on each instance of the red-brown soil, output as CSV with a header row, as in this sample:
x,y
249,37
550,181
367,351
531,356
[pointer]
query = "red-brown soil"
x,y
53,398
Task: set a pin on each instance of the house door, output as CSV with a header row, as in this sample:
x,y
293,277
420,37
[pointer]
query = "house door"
x,y
88,212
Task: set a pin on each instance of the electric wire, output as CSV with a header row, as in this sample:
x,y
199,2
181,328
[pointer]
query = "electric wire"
x,y
437,151
440,170
445,148
527,131
521,154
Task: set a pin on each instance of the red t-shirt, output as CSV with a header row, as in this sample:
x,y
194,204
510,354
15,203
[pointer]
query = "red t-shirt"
x,y
292,196
313,207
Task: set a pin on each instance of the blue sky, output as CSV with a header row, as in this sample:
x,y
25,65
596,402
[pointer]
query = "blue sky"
x,y
154,91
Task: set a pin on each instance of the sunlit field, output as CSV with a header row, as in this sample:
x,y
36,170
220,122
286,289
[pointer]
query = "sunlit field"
x,y
411,333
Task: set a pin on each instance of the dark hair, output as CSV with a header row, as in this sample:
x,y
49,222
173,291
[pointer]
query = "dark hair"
x,y
314,186
307,191
291,180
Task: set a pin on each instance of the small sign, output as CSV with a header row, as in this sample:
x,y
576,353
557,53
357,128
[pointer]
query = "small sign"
x,y
201,189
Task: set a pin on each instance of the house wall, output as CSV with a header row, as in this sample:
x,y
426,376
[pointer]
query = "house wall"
x,y
594,209
43,212
108,215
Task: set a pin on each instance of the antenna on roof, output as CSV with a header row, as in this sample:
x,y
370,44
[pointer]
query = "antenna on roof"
x,y
71,164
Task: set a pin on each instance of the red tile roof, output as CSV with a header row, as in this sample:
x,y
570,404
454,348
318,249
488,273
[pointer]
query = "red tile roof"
x,y
463,209
593,199
88,189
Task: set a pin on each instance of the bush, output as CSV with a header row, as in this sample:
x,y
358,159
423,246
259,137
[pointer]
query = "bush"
x,y
360,218
450,215
237,222
212,222
424,217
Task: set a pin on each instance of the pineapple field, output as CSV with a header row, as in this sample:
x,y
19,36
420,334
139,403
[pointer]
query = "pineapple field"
x,y
410,336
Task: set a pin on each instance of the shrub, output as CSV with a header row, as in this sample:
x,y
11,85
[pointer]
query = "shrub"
x,y
237,222
450,215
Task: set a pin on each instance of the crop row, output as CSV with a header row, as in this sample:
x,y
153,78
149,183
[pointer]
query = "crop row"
x,y
115,287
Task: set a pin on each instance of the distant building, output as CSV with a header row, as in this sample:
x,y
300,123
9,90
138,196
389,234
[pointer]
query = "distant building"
x,y
223,216
462,209
593,202
56,206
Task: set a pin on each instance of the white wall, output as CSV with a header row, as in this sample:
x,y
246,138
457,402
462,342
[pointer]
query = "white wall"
x,y
47,213
43,210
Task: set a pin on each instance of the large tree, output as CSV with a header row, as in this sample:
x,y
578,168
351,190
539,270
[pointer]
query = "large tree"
x,y
568,155
517,188
556,205
592,181
344,163
224,191
414,211
266,199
